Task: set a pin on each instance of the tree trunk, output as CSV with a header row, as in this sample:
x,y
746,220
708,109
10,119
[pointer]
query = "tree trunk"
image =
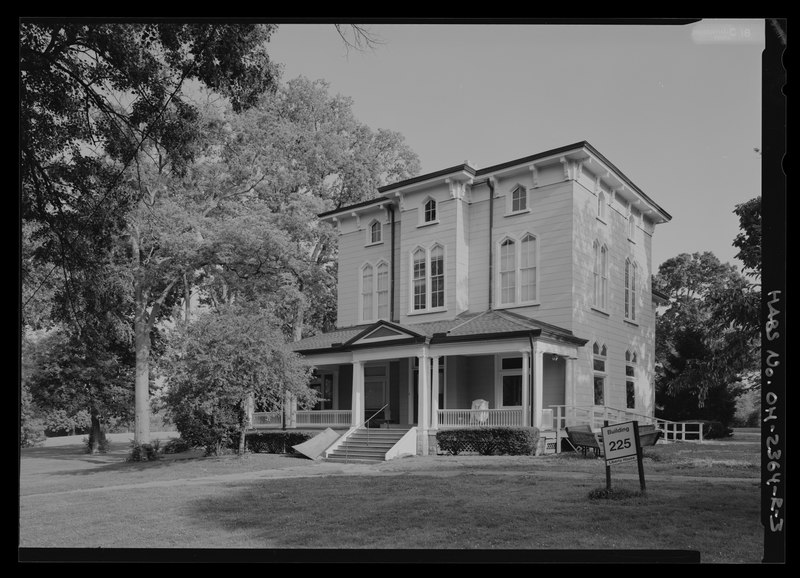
x,y
96,432
141,433
242,425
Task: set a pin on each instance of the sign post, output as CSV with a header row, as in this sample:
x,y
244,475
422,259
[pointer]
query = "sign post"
x,y
621,444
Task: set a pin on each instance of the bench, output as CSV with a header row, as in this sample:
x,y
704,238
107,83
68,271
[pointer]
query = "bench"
x,y
584,439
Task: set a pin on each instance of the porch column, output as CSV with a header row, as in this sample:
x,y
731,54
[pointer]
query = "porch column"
x,y
424,405
538,357
569,386
435,392
526,384
357,404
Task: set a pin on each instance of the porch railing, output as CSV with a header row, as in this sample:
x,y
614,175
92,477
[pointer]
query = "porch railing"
x,y
266,419
325,417
451,418
596,416
303,418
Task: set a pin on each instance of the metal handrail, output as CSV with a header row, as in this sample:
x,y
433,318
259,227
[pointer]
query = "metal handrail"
x,y
359,426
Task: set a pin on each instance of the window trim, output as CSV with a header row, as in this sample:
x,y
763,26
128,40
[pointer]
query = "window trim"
x,y
601,276
369,241
602,207
422,212
500,373
428,279
510,212
631,225
630,361
630,292
603,374
374,294
517,240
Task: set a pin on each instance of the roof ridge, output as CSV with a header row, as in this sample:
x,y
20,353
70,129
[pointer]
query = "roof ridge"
x,y
468,320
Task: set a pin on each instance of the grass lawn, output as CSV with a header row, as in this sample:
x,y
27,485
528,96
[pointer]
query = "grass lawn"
x,y
702,498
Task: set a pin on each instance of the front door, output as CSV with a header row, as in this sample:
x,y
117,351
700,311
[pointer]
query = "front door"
x,y
376,380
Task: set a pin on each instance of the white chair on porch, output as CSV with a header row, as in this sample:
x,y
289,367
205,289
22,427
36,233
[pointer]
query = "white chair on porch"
x,y
481,406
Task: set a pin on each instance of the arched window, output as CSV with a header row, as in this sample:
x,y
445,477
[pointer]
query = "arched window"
x,y
366,293
518,274
527,268
508,272
437,277
427,279
601,206
429,211
375,232
418,280
383,290
600,273
630,290
519,199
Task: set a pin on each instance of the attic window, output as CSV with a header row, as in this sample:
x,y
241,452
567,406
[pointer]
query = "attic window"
x,y
430,211
519,199
375,233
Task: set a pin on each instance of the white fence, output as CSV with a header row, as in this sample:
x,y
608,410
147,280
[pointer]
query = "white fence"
x,y
596,416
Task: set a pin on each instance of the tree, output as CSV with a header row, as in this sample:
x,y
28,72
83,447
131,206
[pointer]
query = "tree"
x,y
93,99
702,350
299,152
748,241
72,374
222,361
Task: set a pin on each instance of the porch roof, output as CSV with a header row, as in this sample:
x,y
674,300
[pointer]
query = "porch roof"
x,y
492,324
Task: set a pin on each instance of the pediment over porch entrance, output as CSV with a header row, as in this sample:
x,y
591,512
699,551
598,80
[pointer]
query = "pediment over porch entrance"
x,y
383,331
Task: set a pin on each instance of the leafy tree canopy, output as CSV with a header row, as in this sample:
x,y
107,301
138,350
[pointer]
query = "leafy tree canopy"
x,y
705,341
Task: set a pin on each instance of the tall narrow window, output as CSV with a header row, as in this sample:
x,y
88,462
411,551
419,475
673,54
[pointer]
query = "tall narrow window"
x,y
604,276
508,281
630,290
366,293
631,227
601,206
383,291
519,199
430,211
527,268
600,275
418,280
599,365
630,379
375,232
596,274
437,277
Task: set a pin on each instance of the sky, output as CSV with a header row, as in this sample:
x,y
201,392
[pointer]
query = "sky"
x,y
675,108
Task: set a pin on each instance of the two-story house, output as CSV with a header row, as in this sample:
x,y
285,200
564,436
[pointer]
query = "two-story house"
x,y
517,294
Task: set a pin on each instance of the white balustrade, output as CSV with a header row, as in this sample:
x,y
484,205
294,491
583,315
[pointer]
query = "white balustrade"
x,y
453,418
325,417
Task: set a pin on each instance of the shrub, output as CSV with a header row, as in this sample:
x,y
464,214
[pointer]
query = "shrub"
x,y
144,452
487,441
176,446
32,433
279,442
58,423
